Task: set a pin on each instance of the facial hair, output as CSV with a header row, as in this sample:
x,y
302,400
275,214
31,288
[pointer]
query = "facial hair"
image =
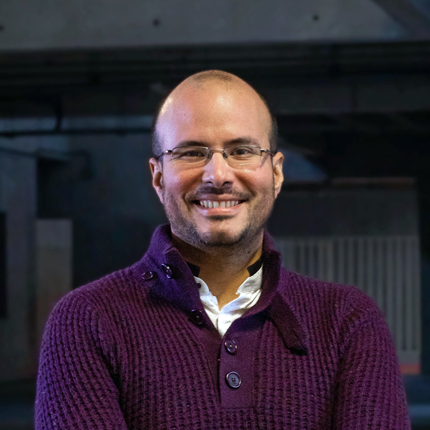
x,y
185,228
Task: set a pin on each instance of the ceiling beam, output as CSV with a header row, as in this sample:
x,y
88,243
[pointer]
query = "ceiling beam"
x,y
405,13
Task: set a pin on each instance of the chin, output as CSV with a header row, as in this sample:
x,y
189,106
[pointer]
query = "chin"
x,y
220,238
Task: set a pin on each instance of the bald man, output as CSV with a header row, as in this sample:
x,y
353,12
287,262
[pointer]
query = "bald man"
x,y
207,330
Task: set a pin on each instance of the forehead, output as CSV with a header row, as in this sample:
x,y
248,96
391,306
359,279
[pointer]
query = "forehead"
x,y
213,114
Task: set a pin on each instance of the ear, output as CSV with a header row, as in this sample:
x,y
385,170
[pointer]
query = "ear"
x,y
157,177
278,160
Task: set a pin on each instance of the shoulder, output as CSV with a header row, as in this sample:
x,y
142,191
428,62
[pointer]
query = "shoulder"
x,y
103,295
331,302
322,291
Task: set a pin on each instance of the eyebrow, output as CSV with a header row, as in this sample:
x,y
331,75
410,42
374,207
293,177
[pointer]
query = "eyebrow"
x,y
245,140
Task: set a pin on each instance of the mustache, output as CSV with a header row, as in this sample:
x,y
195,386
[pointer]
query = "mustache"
x,y
225,189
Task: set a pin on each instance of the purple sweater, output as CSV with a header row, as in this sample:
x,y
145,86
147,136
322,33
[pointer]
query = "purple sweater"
x,y
136,350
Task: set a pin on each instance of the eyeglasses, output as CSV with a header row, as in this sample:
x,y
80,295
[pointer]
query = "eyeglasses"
x,y
235,156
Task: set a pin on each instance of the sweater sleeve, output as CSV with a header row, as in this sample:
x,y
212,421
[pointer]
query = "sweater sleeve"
x,y
369,392
75,389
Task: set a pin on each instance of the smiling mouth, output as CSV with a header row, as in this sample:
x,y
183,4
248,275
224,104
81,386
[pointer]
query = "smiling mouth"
x,y
217,203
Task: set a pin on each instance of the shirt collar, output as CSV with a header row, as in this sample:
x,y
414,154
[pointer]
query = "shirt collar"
x,y
249,286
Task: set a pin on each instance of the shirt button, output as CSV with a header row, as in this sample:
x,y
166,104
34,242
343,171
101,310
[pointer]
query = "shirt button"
x,y
233,379
167,271
147,276
196,317
230,346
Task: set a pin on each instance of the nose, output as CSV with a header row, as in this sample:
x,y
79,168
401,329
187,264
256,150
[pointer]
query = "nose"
x,y
217,171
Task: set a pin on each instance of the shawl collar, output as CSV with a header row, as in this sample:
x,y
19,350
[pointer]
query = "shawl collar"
x,y
181,290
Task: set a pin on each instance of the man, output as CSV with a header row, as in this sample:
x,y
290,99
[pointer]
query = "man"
x,y
207,331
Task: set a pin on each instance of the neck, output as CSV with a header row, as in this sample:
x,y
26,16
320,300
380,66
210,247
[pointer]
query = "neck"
x,y
224,268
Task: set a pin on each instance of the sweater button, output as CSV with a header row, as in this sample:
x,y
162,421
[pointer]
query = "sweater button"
x,y
196,317
233,380
147,276
230,346
167,271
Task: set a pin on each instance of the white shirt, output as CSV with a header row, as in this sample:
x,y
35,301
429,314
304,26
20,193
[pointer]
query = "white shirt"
x,y
249,293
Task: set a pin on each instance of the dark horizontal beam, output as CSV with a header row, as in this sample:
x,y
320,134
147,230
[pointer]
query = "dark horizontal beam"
x,y
256,63
305,127
75,132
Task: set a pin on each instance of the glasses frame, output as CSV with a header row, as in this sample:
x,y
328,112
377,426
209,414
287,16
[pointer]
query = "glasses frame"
x,y
212,151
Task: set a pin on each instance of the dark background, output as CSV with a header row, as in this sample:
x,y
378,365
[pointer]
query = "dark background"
x,y
348,82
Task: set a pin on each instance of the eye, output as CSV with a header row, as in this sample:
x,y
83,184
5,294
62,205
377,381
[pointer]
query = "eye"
x,y
243,151
185,153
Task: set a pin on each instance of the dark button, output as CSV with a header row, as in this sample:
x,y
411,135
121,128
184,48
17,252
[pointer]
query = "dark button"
x,y
196,317
230,346
167,271
147,276
233,379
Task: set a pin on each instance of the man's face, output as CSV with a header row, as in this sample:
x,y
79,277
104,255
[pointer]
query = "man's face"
x,y
215,116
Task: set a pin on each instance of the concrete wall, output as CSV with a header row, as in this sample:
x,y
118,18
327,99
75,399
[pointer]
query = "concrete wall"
x,y
106,23
18,201
116,211
106,191
103,185
53,249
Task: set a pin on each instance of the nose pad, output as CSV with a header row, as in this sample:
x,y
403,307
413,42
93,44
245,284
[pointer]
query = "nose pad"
x,y
217,170
211,154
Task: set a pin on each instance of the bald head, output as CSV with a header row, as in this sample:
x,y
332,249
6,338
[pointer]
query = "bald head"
x,y
201,91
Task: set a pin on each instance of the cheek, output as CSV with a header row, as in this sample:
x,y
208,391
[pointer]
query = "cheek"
x,y
258,182
179,183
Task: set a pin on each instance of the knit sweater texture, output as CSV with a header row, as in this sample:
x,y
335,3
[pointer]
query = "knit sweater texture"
x,y
136,350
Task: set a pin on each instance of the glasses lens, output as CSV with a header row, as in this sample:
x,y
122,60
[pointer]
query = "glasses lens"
x,y
236,155
190,154
243,155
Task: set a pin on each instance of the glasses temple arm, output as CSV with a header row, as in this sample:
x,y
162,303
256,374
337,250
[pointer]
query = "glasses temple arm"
x,y
266,151
167,151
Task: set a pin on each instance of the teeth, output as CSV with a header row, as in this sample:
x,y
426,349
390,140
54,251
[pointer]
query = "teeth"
x,y
217,204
